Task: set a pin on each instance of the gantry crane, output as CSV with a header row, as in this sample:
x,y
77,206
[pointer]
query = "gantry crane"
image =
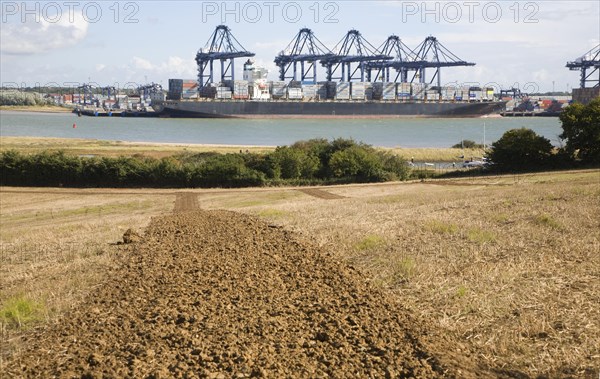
x,y
305,49
589,65
88,92
110,92
221,46
403,60
432,54
353,48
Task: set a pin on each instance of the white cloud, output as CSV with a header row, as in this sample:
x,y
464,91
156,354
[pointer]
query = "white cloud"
x,y
33,37
100,67
172,67
141,63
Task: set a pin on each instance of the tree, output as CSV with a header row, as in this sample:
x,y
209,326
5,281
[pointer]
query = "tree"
x,y
581,130
521,149
467,144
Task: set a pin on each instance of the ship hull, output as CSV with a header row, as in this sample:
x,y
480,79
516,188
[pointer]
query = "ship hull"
x,y
324,109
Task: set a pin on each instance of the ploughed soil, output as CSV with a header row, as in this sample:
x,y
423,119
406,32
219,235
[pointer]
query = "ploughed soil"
x,y
217,294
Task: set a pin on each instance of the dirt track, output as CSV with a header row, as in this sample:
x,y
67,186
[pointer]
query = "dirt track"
x,y
218,294
321,194
186,201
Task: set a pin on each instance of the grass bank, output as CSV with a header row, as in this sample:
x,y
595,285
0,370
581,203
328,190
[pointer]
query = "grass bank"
x,y
36,108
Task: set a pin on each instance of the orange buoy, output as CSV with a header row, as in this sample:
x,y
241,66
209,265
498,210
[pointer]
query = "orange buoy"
x,y
74,125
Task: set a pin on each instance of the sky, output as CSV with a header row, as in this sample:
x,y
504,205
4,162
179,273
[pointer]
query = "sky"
x,y
523,44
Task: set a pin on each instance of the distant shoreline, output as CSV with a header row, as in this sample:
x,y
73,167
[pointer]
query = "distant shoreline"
x,y
34,109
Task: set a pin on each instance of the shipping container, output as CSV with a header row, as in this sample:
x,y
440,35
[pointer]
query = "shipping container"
x,y
449,93
342,91
418,91
278,89
359,90
322,90
331,89
208,92
475,94
294,93
403,91
223,93
310,91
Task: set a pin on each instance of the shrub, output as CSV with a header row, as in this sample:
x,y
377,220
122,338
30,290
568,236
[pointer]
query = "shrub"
x,y
227,170
293,163
358,162
310,162
395,166
521,149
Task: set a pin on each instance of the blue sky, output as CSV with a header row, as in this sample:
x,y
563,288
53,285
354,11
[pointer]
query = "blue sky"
x,y
523,43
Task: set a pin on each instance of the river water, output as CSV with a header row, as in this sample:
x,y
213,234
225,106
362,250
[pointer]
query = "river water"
x,y
403,132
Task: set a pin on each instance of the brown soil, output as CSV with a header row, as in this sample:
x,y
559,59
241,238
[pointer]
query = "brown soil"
x,y
186,201
217,294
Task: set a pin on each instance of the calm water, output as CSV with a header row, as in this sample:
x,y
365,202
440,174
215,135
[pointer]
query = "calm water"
x,y
407,132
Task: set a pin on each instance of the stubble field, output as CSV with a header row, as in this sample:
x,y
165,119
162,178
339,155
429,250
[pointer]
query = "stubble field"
x,y
496,276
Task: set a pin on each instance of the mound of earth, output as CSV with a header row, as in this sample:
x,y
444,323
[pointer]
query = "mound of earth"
x,y
131,236
216,294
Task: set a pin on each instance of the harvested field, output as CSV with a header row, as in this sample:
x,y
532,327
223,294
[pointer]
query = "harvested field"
x,y
219,294
484,277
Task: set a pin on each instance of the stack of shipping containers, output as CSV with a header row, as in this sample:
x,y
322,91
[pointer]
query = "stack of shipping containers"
x,y
223,92
208,91
189,89
342,91
449,93
377,90
474,94
331,90
463,94
418,91
369,91
175,89
388,91
294,93
294,90
433,94
309,91
322,90
278,89
239,89
357,90
403,91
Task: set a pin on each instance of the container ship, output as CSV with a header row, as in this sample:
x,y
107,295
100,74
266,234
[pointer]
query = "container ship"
x,y
343,96
255,97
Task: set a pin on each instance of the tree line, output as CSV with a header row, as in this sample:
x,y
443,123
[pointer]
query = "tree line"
x,y
18,98
316,161
524,150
